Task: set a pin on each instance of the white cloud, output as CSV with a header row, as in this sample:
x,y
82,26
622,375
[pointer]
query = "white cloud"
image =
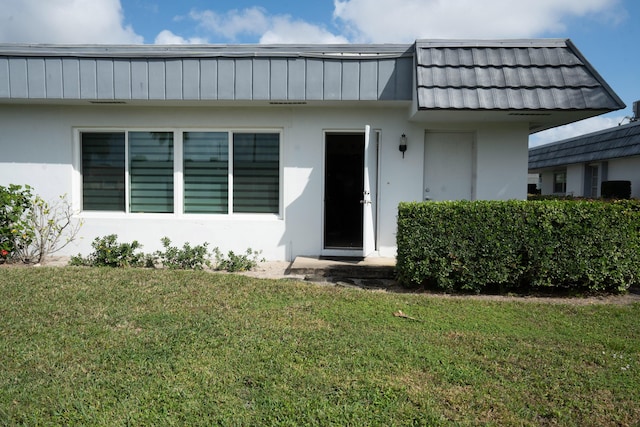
x,y
167,37
285,30
102,21
406,20
582,127
255,21
65,21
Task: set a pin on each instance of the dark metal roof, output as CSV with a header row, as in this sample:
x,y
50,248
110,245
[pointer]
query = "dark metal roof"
x,y
341,51
509,75
620,141
520,76
276,73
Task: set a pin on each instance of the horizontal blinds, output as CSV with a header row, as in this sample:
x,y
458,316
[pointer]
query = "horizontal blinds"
x,y
256,172
151,171
205,165
103,161
206,172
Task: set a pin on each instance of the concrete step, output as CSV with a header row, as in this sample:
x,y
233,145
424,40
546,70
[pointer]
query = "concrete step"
x,y
367,268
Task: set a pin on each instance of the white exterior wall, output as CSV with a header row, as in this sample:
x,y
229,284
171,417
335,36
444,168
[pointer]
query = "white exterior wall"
x,y
500,157
575,180
39,147
546,182
626,169
502,152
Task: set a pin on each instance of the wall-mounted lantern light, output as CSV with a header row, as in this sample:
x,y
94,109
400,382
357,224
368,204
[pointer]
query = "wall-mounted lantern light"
x,y
403,144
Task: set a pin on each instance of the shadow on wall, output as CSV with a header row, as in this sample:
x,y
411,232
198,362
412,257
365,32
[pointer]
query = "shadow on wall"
x,y
302,215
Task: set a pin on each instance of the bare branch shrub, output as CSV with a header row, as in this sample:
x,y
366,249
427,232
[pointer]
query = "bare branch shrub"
x,y
52,227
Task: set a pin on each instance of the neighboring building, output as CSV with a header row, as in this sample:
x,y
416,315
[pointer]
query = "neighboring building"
x,y
292,150
578,166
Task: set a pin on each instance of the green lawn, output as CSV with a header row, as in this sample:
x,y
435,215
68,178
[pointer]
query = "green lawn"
x,y
86,346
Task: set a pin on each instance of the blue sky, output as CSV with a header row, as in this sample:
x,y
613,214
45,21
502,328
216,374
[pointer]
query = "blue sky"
x,y
607,32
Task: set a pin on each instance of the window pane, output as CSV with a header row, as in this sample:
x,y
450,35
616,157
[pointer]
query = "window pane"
x,y
560,182
103,171
206,172
256,172
151,171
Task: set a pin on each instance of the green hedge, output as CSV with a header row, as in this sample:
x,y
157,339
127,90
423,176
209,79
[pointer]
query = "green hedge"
x,y
519,245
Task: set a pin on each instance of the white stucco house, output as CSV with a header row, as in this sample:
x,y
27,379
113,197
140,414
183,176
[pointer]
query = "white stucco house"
x,y
578,166
291,150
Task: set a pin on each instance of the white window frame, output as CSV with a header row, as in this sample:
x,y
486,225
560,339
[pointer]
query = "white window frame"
x,y
178,174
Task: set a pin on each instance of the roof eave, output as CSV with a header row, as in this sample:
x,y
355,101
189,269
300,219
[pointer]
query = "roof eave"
x,y
343,51
620,104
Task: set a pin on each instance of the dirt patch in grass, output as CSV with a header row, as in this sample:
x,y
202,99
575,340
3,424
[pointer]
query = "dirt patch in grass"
x,y
278,270
631,297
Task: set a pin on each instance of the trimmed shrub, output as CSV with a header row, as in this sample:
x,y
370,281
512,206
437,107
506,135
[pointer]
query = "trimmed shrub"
x,y
519,245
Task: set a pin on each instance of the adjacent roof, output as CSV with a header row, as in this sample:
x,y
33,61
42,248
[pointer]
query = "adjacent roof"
x,y
509,75
620,141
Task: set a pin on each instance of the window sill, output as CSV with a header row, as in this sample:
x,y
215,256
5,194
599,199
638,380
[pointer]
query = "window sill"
x,y
180,217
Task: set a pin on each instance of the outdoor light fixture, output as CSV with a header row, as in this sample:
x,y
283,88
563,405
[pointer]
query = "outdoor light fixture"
x,y
403,144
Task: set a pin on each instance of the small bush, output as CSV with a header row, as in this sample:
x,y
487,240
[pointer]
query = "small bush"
x,y
51,227
109,253
187,258
32,228
518,245
237,262
15,203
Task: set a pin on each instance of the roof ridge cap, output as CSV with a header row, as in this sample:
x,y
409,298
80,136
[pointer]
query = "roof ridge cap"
x,y
532,42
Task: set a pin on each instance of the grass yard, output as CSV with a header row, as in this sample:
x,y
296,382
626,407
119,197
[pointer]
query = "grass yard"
x,y
86,346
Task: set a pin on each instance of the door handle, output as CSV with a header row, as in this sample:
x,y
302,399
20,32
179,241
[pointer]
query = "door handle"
x,y
366,200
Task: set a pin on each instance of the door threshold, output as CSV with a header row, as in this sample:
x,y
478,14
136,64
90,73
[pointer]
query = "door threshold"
x,y
341,253
341,258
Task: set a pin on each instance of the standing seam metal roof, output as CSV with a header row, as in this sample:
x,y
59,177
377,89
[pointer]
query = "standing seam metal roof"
x,y
280,73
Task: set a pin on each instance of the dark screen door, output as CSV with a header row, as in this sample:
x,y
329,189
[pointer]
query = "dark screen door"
x,y
344,183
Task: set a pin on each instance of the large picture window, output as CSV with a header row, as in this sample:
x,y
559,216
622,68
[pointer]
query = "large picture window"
x,y
222,172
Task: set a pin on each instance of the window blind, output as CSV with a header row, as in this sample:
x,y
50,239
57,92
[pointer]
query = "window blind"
x,y
256,172
151,171
103,163
206,172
